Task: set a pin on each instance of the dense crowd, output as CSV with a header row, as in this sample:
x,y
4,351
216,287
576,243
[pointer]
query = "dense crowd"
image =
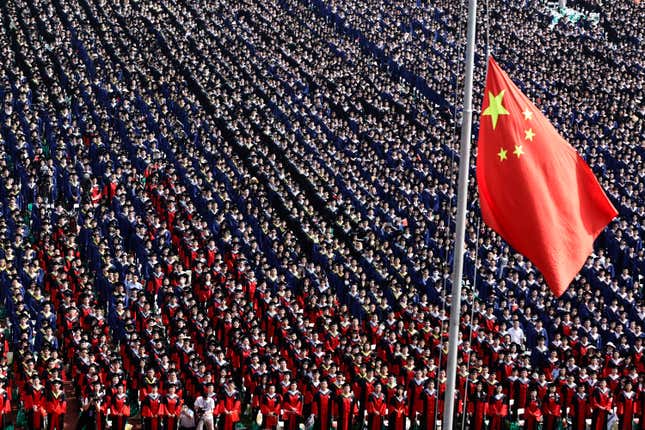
x,y
218,212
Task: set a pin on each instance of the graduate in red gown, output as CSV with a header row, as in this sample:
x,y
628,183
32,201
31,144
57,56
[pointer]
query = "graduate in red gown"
x,y
521,392
498,409
532,412
33,400
310,390
579,409
321,407
568,391
270,406
56,406
292,404
429,412
397,410
171,405
149,381
376,408
641,404
551,409
626,407
119,411
478,408
415,388
5,405
229,407
601,404
151,410
347,408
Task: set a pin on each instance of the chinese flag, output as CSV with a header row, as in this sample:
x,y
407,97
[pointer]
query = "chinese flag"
x,y
534,188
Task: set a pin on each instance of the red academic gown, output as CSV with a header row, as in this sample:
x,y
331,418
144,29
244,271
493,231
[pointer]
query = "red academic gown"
x,y
170,409
429,411
498,410
626,408
579,411
398,411
347,409
292,409
5,408
310,391
321,408
641,407
376,410
521,393
568,393
479,409
532,414
270,408
551,410
56,406
34,404
150,411
415,388
601,405
229,409
119,411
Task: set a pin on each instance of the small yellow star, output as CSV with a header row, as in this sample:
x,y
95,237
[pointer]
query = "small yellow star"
x,y
518,151
528,134
502,154
528,115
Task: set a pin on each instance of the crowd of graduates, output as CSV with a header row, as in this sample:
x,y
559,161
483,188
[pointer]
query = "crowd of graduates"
x,y
216,212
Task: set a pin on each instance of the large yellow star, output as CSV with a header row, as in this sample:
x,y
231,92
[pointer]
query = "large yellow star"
x,y
502,154
518,151
495,107
529,134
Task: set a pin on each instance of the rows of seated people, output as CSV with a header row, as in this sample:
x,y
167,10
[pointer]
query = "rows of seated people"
x,y
254,201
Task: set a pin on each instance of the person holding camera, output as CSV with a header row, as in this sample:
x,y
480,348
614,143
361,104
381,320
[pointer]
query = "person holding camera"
x,y
93,408
204,409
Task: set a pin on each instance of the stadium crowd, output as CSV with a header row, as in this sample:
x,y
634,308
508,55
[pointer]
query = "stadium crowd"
x,y
223,210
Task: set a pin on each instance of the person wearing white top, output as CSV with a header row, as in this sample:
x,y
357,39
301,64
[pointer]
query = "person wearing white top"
x,y
516,333
186,418
204,408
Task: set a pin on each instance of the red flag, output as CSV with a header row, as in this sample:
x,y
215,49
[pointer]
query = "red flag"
x,y
534,188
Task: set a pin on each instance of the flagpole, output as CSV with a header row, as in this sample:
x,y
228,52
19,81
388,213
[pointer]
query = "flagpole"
x,y
462,197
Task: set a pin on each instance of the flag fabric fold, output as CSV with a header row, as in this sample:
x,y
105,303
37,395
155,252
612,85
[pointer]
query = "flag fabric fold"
x,y
534,188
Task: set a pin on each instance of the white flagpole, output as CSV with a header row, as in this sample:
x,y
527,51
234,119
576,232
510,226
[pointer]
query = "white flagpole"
x,y
462,197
